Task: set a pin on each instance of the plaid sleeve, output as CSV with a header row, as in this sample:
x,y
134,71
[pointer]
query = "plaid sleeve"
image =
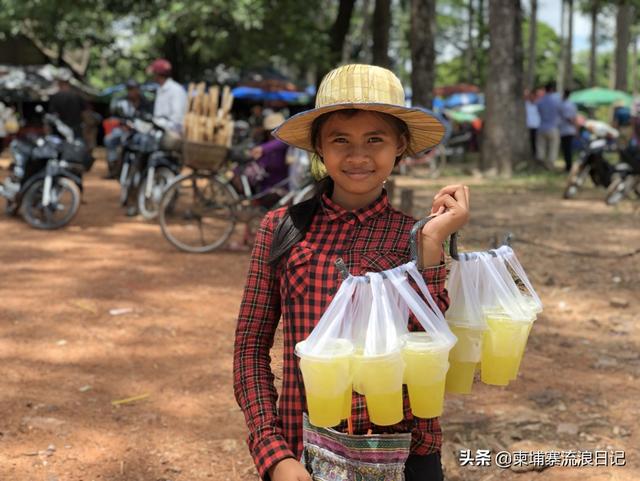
x,y
253,379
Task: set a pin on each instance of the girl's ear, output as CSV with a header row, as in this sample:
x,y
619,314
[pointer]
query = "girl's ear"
x,y
402,145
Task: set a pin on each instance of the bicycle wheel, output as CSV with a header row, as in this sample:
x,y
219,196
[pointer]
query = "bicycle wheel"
x,y
197,213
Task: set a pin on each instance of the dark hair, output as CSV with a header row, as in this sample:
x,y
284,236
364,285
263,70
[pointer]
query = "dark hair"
x,y
296,222
550,86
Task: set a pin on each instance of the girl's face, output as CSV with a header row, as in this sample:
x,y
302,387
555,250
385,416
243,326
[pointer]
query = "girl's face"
x,y
359,152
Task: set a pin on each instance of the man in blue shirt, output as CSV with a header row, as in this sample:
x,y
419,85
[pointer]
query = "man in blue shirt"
x,y
548,140
568,112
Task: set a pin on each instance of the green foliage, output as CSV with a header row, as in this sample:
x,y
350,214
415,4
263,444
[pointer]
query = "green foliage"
x,y
199,35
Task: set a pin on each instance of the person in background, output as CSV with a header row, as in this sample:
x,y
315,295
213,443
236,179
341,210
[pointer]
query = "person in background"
x,y
255,122
567,128
271,156
171,98
67,104
134,102
8,124
548,138
533,118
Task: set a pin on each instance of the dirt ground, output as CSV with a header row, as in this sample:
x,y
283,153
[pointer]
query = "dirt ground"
x,y
106,310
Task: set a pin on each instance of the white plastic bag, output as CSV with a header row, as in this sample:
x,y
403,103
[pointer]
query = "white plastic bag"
x,y
508,255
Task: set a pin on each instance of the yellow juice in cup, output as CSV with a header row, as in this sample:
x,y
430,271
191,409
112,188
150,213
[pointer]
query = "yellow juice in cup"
x,y
425,373
460,377
356,362
463,358
380,379
327,382
526,327
346,406
502,348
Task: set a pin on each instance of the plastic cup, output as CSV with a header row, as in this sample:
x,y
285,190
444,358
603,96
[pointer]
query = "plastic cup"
x,y
380,380
526,327
327,381
463,358
502,348
426,365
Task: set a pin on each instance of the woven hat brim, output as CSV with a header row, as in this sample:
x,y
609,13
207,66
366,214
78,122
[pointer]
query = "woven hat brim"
x,y
426,129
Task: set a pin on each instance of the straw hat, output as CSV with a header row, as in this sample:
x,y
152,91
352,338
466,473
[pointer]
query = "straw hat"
x,y
364,87
272,121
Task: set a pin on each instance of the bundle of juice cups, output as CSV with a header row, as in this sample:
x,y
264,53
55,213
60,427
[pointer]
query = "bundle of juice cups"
x,y
493,307
362,343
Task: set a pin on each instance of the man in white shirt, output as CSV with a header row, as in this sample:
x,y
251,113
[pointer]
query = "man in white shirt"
x,y
171,98
533,119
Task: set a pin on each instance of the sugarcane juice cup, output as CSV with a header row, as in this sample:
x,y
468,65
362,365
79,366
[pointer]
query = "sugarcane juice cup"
x,y
464,357
526,328
379,378
502,348
426,365
327,381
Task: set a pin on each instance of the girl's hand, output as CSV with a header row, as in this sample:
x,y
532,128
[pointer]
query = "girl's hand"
x,y
289,469
450,212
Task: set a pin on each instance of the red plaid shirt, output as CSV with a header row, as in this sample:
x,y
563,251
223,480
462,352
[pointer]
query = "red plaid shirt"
x,y
298,290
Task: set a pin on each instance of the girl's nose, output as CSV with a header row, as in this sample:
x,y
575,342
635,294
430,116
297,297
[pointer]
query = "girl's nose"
x,y
357,153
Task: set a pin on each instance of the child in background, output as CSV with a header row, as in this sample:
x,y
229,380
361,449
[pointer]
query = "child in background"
x,y
358,131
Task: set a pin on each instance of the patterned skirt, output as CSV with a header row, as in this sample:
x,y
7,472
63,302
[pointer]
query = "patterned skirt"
x,y
333,456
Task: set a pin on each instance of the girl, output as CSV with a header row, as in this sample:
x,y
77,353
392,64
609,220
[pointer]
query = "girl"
x,y
358,131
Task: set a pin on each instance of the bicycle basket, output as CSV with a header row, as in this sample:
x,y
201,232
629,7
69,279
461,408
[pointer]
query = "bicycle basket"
x,y
204,156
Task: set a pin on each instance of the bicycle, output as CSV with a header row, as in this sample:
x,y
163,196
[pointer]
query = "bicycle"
x,y
199,210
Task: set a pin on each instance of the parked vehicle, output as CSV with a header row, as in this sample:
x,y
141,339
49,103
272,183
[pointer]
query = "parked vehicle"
x,y
591,163
45,181
625,179
150,161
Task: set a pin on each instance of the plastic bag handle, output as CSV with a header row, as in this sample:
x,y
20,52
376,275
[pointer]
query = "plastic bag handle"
x,y
413,243
422,286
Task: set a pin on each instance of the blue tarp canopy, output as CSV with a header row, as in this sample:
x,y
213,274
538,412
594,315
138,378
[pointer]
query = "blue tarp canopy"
x,y
456,100
256,94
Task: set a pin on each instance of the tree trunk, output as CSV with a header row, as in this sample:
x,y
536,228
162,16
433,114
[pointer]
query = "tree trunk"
x,y
469,52
506,139
623,37
360,50
423,55
533,29
634,66
381,26
482,31
337,35
563,47
339,31
568,59
594,39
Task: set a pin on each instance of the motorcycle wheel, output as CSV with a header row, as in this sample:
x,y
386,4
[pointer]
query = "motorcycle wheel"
x,y
65,202
616,190
577,176
127,172
148,206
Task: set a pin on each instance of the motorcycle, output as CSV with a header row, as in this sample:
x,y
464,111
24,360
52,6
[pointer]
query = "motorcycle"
x,y
45,181
150,161
591,163
625,179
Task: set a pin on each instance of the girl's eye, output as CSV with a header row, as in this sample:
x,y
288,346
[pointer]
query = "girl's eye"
x,y
375,139
340,140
